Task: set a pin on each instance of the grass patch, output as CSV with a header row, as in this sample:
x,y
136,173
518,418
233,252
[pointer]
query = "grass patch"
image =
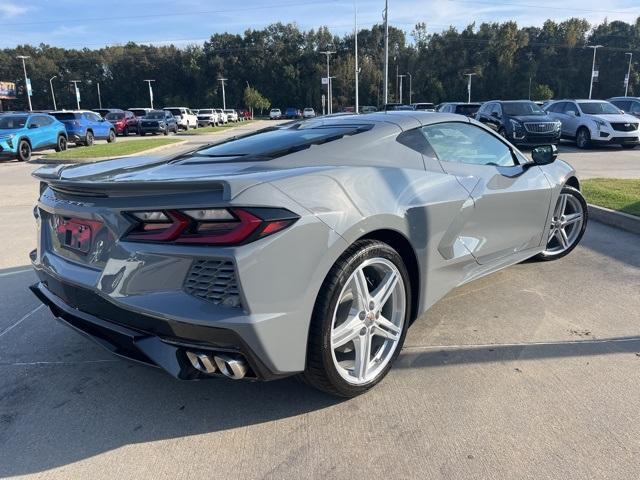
x,y
116,149
207,130
617,194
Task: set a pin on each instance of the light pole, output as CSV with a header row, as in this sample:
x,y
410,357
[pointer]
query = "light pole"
x,y
328,53
75,84
593,66
99,97
27,83
401,77
386,52
150,92
469,75
53,95
224,98
626,83
410,90
355,24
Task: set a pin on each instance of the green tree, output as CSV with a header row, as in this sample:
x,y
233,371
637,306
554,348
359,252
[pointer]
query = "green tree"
x,y
254,99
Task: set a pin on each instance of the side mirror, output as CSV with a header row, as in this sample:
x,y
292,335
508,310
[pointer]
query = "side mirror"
x,y
571,113
544,154
621,111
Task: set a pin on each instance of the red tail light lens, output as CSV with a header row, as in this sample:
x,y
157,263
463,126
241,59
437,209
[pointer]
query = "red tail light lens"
x,y
218,226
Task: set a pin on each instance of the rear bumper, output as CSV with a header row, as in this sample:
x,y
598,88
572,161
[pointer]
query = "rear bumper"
x,y
142,338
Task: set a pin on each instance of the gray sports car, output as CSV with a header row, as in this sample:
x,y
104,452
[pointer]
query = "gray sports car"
x,y
307,248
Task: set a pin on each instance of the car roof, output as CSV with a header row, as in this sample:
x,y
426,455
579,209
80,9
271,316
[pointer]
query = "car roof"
x,y
405,119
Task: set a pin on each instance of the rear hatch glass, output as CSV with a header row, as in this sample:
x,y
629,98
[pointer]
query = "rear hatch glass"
x,y
62,116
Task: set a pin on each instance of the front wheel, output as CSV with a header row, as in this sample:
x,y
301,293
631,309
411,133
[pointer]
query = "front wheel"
x,y
359,321
568,223
112,136
583,139
88,141
24,151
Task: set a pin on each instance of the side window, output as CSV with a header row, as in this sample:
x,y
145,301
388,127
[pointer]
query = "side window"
x,y
467,143
622,104
35,122
45,121
496,111
570,107
635,108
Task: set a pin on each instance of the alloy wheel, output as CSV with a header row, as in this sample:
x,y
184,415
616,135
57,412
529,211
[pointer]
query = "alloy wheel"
x,y
566,224
368,321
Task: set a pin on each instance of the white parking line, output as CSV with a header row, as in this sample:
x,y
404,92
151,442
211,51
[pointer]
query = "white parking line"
x,y
21,320
8,274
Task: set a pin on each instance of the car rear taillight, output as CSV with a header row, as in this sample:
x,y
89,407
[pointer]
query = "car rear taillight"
x,y
207,226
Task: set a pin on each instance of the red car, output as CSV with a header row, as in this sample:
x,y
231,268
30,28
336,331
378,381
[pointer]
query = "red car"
x,y
124,121
244,114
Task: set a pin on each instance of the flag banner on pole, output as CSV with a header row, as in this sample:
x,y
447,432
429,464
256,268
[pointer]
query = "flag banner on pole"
x,y
29,91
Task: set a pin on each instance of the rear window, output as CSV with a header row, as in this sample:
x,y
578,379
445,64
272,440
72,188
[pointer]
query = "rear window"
x,y
139,113
205,112
114,116
65,115
467,109
275,142
424,106
155,115
8,122
175,111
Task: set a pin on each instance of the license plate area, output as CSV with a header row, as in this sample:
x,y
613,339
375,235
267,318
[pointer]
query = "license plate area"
x,y
75,234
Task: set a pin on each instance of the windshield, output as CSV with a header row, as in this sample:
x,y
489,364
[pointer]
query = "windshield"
x,y
114,116
175,111
155,115
64,115
598,108
205,112
10,122
274,142
139,113
521,108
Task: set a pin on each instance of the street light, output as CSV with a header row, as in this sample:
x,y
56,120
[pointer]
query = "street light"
x,y
53,95
593,66
410,91
628,79
224,98
401,77
469,75
328,53
27,83
150,92
75,84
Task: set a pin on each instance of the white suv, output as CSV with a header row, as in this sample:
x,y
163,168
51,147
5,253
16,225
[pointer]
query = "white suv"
x,y
185,118
222,116
594,122
207,117
308,113
275,114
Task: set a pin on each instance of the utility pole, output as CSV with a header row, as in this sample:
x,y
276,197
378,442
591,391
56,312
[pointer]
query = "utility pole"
x,y
469,75
397,82
593,67
75,84
386,51
150,92
328,53
99,97
401,79
27,82
355,22
410,81
224,99
53,95
529,88
628,79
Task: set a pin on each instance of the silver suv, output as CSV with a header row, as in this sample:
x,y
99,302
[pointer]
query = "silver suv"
x,y
591,122
630,105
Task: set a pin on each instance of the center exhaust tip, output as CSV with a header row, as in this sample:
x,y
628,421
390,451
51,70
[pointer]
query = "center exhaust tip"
x,y
229,366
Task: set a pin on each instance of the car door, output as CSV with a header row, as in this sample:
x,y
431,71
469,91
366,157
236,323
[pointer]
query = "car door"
x,y
49,131
571,119
494,120
99,125
511,201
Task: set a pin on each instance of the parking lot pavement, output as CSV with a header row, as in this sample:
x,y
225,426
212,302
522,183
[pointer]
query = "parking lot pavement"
x,y
606,162
532,373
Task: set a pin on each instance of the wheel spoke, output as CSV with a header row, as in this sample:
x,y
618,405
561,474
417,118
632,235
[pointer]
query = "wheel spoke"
x,y
572,218
381,295
363,355
552,233
346,332
385,328
562,204
362,289
562,237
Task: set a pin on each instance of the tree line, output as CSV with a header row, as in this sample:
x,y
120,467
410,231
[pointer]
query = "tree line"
x,y
282,65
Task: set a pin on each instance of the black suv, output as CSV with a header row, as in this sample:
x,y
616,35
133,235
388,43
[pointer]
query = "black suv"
x,y
522,122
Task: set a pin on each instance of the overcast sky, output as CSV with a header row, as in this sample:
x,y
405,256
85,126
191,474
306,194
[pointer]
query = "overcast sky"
x,y
78,24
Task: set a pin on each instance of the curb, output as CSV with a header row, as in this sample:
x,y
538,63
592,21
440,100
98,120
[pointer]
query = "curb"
x,y
620,220
56,161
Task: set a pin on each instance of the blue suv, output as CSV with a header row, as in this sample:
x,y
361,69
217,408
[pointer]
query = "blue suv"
x,y
22,133
84,126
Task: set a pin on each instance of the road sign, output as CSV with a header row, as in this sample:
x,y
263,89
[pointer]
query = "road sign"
x,y
595,75
29,91
325,81
626,80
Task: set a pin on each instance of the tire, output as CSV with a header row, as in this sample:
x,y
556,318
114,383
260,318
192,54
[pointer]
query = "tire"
x,y
88,139
142,134
583,138
61,144
24,151
125,132
576,202
166,132
112,136
327,364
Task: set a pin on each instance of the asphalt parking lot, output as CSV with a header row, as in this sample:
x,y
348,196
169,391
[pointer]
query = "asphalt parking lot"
x,y
531,373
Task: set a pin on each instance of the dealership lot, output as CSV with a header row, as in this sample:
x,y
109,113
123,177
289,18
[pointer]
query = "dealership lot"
x,y
529,373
